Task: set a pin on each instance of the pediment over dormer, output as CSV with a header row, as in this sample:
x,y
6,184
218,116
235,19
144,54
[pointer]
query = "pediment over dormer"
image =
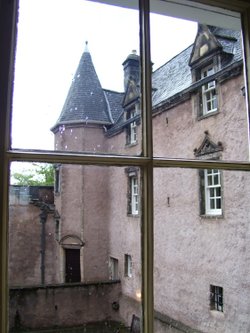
x,y
205,44
208,147
131,94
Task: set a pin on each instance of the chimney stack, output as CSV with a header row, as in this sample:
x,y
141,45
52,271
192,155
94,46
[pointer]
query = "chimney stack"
x,y
131,67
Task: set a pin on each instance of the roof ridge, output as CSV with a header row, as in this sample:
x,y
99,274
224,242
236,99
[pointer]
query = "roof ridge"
x,y
113,91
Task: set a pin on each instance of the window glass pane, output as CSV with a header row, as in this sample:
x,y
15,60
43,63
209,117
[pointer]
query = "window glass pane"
x,y
218,203
74,254
195,251
199,106
212,206
211,190
77,78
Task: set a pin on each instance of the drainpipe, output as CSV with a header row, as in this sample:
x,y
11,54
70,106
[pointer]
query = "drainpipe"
x,y
43,219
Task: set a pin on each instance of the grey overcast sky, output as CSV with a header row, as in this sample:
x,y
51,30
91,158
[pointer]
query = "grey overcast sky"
x,y
51,39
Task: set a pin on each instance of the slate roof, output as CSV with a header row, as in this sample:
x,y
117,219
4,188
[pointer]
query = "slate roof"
x,y
175,75
115,103
172,77
87,101
230,41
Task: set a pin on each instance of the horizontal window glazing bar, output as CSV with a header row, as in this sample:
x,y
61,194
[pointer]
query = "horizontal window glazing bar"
x,y
97,159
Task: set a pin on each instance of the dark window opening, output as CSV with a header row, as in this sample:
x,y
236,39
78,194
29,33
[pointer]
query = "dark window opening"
x,y
216,298
72,265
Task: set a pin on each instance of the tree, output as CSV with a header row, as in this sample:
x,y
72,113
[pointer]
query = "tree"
x,y
38,175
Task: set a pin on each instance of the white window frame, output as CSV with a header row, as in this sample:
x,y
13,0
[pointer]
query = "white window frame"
x,y
133,129
209,96
134,190
146,161
113,268
211,191
128,265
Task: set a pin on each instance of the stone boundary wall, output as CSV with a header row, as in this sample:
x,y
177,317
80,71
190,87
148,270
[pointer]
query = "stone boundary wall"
x,y
63,305
165,324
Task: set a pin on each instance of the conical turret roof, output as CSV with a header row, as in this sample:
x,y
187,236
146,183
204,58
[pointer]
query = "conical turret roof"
x,y
86,100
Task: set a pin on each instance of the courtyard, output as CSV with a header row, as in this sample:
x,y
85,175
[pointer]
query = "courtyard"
x,y
101,327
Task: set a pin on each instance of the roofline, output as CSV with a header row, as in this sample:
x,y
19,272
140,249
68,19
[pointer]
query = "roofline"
x,y
113,91
108,107
195,85
181,96
68,123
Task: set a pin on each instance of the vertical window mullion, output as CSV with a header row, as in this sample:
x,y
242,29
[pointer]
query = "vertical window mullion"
x,y
8,29
245,21
147,244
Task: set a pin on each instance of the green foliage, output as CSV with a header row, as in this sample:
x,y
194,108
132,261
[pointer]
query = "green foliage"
x,y
38,175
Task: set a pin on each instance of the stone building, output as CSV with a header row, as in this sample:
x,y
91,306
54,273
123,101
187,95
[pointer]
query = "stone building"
x,y
201,217
201,230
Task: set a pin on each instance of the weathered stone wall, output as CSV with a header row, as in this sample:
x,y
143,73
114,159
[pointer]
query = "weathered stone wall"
x,y
125,233
96,223
178,131
129,306
25,230
63,305
165,324
192,251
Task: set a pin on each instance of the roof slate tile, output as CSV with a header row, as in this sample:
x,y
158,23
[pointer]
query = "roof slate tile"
x,y
86,100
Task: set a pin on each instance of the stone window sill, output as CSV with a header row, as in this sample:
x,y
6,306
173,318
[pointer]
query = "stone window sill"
x,y
214,113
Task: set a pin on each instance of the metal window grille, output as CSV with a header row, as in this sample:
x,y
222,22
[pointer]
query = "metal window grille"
x,y
216,298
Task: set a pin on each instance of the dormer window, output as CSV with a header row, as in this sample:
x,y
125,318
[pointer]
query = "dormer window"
x,y
209,97
132,129
132,126
210,179
205,61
